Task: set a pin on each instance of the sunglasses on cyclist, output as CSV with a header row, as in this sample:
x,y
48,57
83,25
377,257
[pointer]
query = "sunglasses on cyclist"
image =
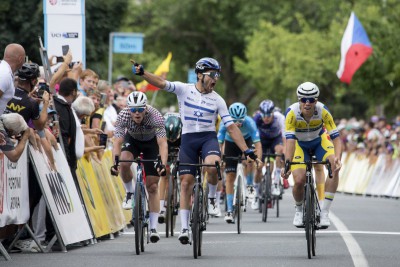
x,y
213,74
308,99
266,115
140,110
238,120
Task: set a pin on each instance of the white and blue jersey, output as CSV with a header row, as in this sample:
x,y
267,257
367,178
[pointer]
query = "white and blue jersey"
x,y
248,129
198,111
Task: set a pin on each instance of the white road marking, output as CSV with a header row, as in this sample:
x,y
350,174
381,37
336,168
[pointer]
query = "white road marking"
x,y
355,250
287,232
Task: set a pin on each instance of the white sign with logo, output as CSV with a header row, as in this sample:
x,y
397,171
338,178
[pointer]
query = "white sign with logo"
x,y
62,197
64,24
63,7
14,193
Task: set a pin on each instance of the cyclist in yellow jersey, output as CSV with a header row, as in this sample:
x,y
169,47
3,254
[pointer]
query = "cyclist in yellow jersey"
x,y
304,131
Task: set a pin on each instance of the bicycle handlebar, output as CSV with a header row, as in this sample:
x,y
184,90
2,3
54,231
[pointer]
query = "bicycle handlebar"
x,y
238,158
288,163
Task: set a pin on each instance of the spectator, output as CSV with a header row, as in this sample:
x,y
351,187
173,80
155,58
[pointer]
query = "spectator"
x,y
67,94
13,125
14,57
111,109
87,80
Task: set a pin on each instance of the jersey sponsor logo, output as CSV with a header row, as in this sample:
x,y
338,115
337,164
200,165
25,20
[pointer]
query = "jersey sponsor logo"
x,y
297,157
15,107
198,113
127,144
189,98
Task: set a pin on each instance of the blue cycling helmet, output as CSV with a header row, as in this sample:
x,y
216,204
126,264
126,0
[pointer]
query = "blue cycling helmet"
x,y
238,111
267,107
207,63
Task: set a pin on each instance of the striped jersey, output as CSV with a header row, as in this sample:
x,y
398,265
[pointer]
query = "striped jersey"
x,y
198,111
151,126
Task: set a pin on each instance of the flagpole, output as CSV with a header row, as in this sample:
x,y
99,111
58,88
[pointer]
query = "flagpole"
x,y
153,99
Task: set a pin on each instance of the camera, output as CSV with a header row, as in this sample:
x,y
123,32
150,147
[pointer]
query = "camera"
x,y
71,65
41,88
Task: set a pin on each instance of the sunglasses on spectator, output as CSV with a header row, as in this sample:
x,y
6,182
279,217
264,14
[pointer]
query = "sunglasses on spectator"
x,y
307,99
140,110
213,74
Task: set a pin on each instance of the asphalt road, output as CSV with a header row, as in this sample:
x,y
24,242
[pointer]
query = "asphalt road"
x,y
365,231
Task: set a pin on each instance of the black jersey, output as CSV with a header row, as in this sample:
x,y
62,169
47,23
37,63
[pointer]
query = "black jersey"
x,y
24,105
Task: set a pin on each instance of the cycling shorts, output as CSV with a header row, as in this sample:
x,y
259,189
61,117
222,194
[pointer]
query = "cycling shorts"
x,y
232,150
148,148
191,146
321,147
270,144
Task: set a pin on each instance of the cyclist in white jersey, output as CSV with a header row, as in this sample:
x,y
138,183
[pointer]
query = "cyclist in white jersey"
x,y
199,106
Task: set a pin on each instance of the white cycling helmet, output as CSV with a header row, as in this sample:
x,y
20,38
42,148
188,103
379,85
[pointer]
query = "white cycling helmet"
x,y
307,89
136,99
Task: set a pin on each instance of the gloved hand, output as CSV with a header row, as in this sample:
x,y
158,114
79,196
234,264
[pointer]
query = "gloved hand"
x,y
250,153
137,69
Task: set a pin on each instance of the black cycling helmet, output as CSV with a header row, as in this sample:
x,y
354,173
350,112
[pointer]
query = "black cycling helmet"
x,y
173,128
28,71
207,63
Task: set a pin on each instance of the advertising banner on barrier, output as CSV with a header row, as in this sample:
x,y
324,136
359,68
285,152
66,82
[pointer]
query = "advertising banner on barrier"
x,y
14,190
93,199
113,207
117,181
62,197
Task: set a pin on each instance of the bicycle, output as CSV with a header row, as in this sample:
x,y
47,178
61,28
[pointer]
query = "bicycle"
x,y
311,208
199,212
172,203
239,192
140,203
266,196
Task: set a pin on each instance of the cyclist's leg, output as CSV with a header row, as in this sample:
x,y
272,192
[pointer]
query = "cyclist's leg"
x,y
231,150
128,152
320,183
187,154
323,152
211,154
299,178
163,189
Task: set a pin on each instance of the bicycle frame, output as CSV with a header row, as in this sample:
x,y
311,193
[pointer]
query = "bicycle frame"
x,y
311,208
140,204
199,213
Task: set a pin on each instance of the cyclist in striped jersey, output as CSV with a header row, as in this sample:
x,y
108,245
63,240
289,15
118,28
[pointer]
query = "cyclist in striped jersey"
x,y
140,129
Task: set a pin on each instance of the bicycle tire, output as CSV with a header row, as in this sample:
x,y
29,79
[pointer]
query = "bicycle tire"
x,y
277,206
170,206
265,195
309,223
138,221
314,238
175,207
238,200
195,224
203,215
145,218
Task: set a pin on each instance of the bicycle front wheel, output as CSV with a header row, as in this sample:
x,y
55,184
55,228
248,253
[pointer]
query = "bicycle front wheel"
x,y
138,220
195,226
266,194
238,203
170,206
309,217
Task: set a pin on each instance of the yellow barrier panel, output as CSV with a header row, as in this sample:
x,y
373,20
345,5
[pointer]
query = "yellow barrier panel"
x,y
112,205
92,197
107,161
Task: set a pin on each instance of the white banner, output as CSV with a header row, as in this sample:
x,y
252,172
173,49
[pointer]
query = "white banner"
x,y
65,30
62,196
14,193
64,7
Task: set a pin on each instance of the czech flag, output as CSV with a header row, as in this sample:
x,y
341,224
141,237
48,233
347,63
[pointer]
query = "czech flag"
x,y
355,49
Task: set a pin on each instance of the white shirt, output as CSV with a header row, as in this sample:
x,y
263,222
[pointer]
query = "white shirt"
x,y
198,111
6,85
110,116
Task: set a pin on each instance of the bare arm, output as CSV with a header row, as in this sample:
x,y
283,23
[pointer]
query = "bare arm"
x,y
16,153
117,147
153,79
237,136
163,149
